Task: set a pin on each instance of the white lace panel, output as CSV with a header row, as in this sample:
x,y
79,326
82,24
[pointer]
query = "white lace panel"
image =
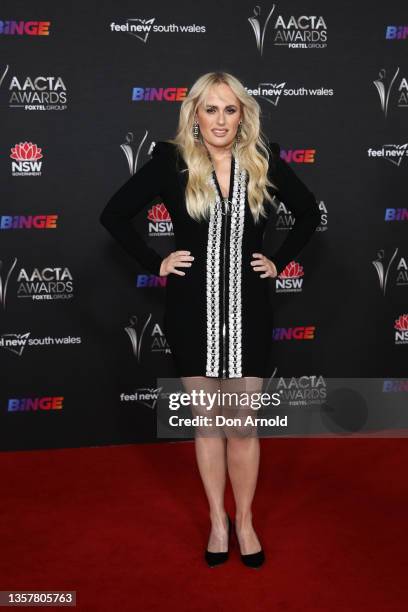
x,y
215,254
212,290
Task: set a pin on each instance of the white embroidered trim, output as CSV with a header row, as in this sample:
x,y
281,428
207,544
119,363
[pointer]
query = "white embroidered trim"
x,y
235,277
213,364
213,294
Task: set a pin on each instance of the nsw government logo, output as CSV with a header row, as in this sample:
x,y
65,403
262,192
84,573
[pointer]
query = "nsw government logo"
x,y
290,280
26,158
160,223
401,329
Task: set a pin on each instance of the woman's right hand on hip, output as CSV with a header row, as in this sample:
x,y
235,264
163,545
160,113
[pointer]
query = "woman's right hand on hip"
x,y
176,258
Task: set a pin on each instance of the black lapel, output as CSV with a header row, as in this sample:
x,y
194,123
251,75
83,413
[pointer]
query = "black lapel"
x,y
182,170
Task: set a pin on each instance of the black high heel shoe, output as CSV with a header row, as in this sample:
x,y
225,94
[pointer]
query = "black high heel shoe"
x,y
254,560
216,558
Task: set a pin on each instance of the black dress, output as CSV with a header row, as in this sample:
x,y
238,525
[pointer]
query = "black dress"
x,y
217,319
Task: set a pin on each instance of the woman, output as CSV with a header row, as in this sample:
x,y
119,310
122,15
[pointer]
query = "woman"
x,y
217,178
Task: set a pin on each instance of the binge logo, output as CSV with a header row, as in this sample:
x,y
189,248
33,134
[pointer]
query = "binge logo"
x,y
158,94
401,329
294,333
144,281
8,222
26,159
299,156
31,28
396,214
35,404
393,32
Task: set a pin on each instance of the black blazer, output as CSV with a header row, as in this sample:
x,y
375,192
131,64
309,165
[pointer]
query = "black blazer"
x,y
165,175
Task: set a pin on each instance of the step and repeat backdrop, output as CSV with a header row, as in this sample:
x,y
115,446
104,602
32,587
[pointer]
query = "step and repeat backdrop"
x,y
86,90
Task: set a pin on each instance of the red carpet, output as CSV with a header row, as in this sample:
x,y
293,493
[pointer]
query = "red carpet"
x,y
126,527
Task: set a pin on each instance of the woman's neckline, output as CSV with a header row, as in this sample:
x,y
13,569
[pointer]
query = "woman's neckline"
x,y
230,188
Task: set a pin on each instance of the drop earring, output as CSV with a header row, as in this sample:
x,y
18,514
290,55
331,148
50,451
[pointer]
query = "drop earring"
x,y
195,130
238,134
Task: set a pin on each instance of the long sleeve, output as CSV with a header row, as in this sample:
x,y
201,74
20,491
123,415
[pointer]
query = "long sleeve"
x,y
128,201
302,204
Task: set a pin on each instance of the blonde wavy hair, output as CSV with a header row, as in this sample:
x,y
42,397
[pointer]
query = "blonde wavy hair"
x,y
251,150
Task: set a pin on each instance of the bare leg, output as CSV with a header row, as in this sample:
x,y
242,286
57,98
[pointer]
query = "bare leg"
x,y
243,455
210,449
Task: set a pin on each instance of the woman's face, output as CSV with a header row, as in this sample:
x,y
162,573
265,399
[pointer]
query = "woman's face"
x,y
219,117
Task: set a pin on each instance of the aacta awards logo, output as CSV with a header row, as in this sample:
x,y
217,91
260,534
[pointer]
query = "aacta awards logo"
x,y
386,84
5,274
36,93
306,390
285,220
132,150
304,32
401,329
384,267
26,158
290,279
140,330
37,284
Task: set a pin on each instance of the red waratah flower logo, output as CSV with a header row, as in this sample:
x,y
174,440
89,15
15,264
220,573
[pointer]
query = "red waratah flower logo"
x,y
402,322
292,270
26,151
158,212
